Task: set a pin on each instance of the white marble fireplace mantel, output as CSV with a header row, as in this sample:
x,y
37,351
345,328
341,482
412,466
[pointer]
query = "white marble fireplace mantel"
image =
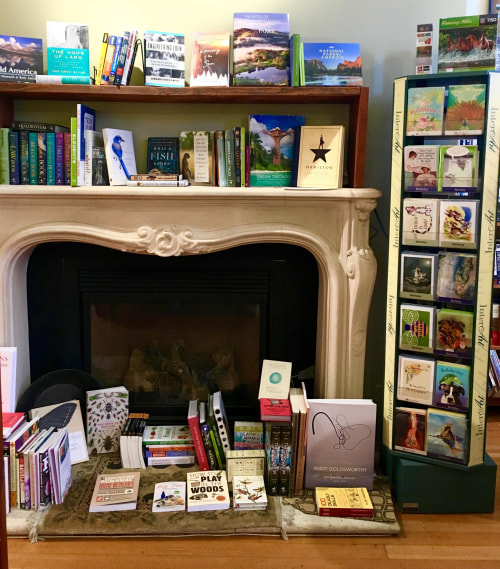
x,y
332,224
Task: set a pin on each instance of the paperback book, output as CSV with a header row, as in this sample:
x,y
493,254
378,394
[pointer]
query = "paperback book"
x,y
169,496
416,379
456,277
452,387
332,64
457,168
163,154
248,435
8,367
163,435
425,111
417,327
120,155
418,275
261,49
249,492
420,221
410,430
454,332
465,110
458,223
86,120
275,379
21,59
196,155
275,409
164,59
447,435
420,167
207,491
67,48
344,502
107,412
210,59
115,492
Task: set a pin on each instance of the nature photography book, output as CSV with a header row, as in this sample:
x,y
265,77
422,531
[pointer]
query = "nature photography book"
x,y
115,492
465,111
207,490
418,275
332,63
420,221
447,435
410,430
425,111
107,412
120,155
458,223
454,332
416,379
163,154
271,148
457,168
261,49
67,48
210,59
344,502
169,496
456,277
21,59
196,157
320,161
421,166
452,386
164,59
417,327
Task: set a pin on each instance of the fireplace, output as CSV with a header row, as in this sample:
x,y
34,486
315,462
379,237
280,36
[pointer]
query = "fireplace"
x,y
331,225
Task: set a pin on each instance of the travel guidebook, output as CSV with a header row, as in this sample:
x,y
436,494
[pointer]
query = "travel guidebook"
x,y
425,111
332,64
210,59
67,48
21,59
261,49
164,61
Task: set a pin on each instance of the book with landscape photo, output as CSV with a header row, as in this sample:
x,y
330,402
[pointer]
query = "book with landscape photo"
x,y
67,48
466,109
164,59
458,223
163,154
207,490
410,430
416,379
417,327
421,166
196,156
120,155
169,496
452,387
447,435
418,275
456,277
261,49
344,502
115,492
420,221
210,59
425,111
107,412
332,63
454,332
21,59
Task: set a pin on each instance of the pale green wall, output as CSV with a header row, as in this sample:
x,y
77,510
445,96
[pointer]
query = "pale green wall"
x,y
384,28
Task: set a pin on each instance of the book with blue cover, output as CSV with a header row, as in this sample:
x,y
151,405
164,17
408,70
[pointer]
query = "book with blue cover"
x,y
21,59
332,63
67,48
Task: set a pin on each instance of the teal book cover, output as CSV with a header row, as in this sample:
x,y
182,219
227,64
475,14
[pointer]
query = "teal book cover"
x,y
67,48
51,158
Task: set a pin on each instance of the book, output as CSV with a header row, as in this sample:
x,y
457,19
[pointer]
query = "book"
x,y
59,147
63,79
458,223
102,57
465,111
416,379
67,48
416,327
11,420
210,59
275,379
275,409
332,63
207,491
8,368
163,154
194,426
164,435
425,111
38,126
341,443
220,162
214,433
248,462
410,430
452,386
85,120
107,412
457,168
130,57
4,156
420,221
120,155
295,405
114,62
237,155
454,332
418,275
230,157
302,440
115,492
164,59
14,177
153,177
60,466
33,156
51,158
42,158
456,277
272,438
108,60
208,442
424,49
96,170
261,49
320,161
121,58
196,157
248,435
158,183
169,496
421,167
271,140
221,420
249,492
447,435
21,58
285,459
74,152
344,502
295,56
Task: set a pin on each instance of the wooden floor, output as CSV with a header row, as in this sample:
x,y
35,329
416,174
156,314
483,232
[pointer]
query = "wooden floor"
x,y
426,541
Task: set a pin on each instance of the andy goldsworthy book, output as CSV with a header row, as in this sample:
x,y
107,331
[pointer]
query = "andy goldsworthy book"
x,y
332,63
452,386
410,430
420,221
457,273
207,491
418,275
114,492
163,154
454,331
416,379
261,49
107,413
416,327
340,443
164,60
67,48
120,155
271,140
465,110
210,59
21,59
447,435
458,223
425,111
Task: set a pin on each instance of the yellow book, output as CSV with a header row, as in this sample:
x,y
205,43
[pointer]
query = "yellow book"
x,y
344,502
102,55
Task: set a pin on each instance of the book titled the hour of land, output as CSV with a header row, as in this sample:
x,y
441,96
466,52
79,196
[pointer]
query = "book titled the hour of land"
x,y
210,59
457,169
420,221
207,491
67,48
417,327
456,280
344,502
21,59
416,379
425,111
332,63
164,59
421,166
320,156
465,110
452,386
120,155
447,435
454,332
117,491
418,275
169,496
163,154
458,223
410,430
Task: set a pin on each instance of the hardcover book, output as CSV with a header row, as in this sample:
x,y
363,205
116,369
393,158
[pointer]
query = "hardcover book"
x,y
458,223
454,332
424,49
249,492
272,437
207,491
417,327
418,275
163,154
108,60
67,48
95,170
465,110
425,111
196,155
169,496
320,156
452,387
447,435
341,443
120,155
456,277
107,412
11,420
275,409
115,492
344,502
8,367
457,168
220,415
332,63
261,49
271,140
193,419
421,166
210,59
248,435
410,430
21,59
420,221
164,435
416,379
275,379
164,59
85,120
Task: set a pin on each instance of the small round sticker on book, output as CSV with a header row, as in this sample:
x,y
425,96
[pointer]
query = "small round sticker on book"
x,y
275,377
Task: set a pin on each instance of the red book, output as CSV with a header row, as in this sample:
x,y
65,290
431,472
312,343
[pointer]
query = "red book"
x,y
275,410
10,422
194,427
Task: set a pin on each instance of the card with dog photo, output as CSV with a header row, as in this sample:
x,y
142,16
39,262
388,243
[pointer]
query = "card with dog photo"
x,y
447,435
410,430
416,379
452,386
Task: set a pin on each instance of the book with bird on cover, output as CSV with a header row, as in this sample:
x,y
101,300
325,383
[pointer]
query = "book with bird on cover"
x,y
120,155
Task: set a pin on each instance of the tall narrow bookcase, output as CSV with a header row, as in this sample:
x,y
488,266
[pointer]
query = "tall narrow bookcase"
x,y
416,476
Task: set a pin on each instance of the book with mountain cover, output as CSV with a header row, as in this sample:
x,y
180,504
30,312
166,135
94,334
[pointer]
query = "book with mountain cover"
x,y
332,63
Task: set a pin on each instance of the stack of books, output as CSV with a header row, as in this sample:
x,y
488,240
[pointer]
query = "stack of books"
x,y
131,441
249,493
116,59
168,444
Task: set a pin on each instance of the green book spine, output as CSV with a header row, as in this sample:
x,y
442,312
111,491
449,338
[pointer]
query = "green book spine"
x,y
24,157
4,156
302,70
243,155
230,163
42,158
33,150
237,155
51,159
74,155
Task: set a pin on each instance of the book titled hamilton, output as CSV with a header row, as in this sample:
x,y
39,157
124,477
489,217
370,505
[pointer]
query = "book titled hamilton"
x,y
21,59
344,502
332,63
207,490
67,48
114,492
164,61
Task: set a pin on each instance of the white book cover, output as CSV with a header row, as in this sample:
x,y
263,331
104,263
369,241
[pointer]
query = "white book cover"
x,y
249,492
416,379
8,365
85,120
275,379
164,59
107,412
420,221
458,223
169,496
222,421
207,490
120,155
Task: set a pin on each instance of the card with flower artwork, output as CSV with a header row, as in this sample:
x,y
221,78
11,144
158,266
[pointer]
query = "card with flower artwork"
x,y
425,111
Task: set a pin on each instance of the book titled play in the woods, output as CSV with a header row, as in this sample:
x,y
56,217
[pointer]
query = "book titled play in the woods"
x,y
21,59
210,59
332,64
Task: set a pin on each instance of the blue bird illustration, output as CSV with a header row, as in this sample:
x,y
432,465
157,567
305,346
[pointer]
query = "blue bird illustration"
x,y
118,150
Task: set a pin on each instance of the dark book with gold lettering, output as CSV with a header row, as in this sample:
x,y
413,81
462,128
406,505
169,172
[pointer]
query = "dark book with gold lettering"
x,y
163,154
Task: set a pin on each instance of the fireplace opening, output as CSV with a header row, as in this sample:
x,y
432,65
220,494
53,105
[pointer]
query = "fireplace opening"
x,y
172,329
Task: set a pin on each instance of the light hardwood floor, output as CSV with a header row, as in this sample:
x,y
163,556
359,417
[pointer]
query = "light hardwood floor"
x,y
426,541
